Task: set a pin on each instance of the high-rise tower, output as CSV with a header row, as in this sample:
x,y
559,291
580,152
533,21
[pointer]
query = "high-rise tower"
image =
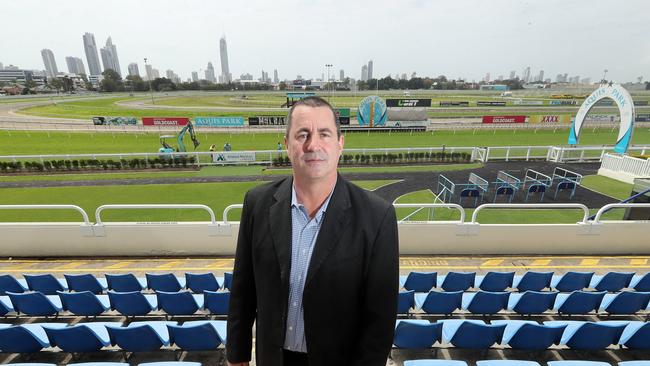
x,y
90,47
50,63
223,53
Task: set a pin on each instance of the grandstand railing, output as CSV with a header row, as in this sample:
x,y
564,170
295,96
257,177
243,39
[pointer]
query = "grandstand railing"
x,y
432,206
529,206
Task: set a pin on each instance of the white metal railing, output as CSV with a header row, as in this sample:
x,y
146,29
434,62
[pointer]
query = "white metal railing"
x,y
431,205
626,164
84,215
608,207
228,209
99,210
531,205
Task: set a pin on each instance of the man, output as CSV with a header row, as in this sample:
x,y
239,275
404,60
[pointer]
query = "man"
x,y
316,265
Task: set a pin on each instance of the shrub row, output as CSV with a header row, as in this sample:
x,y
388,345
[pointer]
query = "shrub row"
x,y
388,159
95,164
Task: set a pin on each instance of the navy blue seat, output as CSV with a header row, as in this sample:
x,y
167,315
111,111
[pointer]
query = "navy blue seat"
x,y
416,333
420,281
495,281
199,282
589,336
85,282
636,335
532,302
436,302
405,302
85,337
458,281
227,280
35,304
529,335
201,335
9,284
167,282
132,303
474,335
84,303
533,281
217,303
5,306
24,338
125,282
578,302
611,281
140,336
434,363
641,282
625,302
572,281
484,302
178,303
45,283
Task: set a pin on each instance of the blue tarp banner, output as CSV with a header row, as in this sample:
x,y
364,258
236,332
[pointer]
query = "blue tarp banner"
x,y
219,121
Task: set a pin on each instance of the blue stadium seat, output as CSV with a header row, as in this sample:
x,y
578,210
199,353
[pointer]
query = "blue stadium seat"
x,y
571,281
416,333
434,363
636,334
484,302
635,363
611,281
456,281
99,364
494,281
419,281
36,304
587,335
577,363
472,334
85,282
179,303
227,280
200,335
84,303
5,306
170,363
641,282
125,282
140,336
529,335
45,283
532,281
405,302
199,282
85,337
217,303
625,302
167,282
436,302
132,303
506,363
578,302
9,284
531,302
25,338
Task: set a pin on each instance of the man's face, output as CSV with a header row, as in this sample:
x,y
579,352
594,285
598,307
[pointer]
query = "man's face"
x,y
312,144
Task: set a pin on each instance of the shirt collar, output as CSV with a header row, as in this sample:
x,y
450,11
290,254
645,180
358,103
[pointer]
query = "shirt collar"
x,y
319,214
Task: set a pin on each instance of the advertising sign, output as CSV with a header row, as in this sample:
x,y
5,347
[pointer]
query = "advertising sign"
x,y
528,102
642,118
553,118
165,121
454,104
267,121
343,115
372,112
563,102
601,118
504,119
408,103
233,157
390,123
491,104
641,103
115,121
219,121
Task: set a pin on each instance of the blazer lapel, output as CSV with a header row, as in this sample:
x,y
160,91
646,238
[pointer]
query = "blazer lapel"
x,y
280,221
336,219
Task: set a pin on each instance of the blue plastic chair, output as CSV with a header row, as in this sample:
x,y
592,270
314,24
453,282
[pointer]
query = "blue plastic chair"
x,y
577,363
170,363
625,302
217,303
36,304
641,282
572,281
495,281
416,334
199,282
85,337
529,335
434,363
140,336
179,303
472,335
611,281
227,280
636,335
506,363
132,303
405,302
439,302
9,284
85,282
25,338
532,302
533,281
634,363
45,283
589,336
124,282
420,281
201,335
578,302
5,306
484,302
457,281
167,282
84,303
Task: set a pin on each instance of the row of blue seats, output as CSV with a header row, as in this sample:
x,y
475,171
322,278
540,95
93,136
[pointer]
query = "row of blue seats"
x,y
125,303
127,282
160,363
521,334
200,335
521,363
526,303
529,281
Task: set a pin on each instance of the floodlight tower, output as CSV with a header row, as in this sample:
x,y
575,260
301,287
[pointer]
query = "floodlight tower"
x,y
149,77
329,87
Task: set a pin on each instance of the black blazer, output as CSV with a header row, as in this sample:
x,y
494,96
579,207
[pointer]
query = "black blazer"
x,y
350,295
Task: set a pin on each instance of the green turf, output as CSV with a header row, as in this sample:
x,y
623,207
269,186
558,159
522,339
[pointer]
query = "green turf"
x,y
607,186
394,169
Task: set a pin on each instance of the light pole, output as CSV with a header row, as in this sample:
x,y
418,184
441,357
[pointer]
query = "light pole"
x,y
329,87
604,76
149,75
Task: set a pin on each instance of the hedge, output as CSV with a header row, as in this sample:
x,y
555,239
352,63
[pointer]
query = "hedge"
x,y
390,159
95,164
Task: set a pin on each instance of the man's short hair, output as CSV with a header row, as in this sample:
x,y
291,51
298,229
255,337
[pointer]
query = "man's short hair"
x,y
313,102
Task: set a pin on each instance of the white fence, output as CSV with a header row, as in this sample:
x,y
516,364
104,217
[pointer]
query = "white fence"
x,y
624,168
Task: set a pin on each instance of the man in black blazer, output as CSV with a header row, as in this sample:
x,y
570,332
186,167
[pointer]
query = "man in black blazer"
x,y
316,266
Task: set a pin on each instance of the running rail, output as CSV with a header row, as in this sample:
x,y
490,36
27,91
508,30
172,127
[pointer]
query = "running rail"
x,y
432,205
533,205
99,210
227,209
83,213
616,205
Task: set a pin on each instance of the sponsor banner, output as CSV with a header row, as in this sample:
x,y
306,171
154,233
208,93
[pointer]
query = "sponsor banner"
x,y
407,124
454,104
563,102
233,157
165,121
115,121
504,119
343,115
640,102
490,104
602,117
408,103
267,121
642,118
607,102
528,102
219,121
553,118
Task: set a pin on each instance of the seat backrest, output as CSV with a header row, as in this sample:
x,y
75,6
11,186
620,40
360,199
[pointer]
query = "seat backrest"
x,y
574,281
421,281
83,303
535,337
416,336
45,283
458,281
534,302
176,303
643,284
535,281
477,336
405,301
17,339
77,338
83,282
628,302
497,281
199,282
141,338
216,302
129,303
581,302
442,302
485,302
594,336
201,337
33,303
614,281
124,282
163,282
9,284
227,280
640,339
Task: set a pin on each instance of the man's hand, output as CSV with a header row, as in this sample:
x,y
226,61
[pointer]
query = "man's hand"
x,y
238,364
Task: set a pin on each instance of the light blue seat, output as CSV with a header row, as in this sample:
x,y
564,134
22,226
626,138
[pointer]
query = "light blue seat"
x,y
578,302
33,364
436,302
5,306
471,334
10,284
85,282
611,281
634,363
419,281
199,282
571,281
217,303
456,281
531,302
577,363
167,282
405,302
641,282
506,363
83,337
125,282
84,303
625,302
494,281
99,364
636,334
199,335
170,363
25,338
588,335
179,303
532,281
434,363
529,335
132,303
45,283
140,336
416,333
36,304
484,302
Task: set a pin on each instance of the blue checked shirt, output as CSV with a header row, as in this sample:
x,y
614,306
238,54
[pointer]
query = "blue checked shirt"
x,y
304,232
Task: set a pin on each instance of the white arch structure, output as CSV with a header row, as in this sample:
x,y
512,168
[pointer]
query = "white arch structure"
x,y
623,100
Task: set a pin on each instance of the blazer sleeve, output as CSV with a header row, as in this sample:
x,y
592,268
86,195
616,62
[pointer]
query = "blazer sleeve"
x,y
243,301
380,297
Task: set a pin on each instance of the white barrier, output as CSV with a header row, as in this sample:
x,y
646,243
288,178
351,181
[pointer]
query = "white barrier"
x,y
624,168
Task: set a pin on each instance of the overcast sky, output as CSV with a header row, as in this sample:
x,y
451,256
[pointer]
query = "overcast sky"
x,y
456,38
